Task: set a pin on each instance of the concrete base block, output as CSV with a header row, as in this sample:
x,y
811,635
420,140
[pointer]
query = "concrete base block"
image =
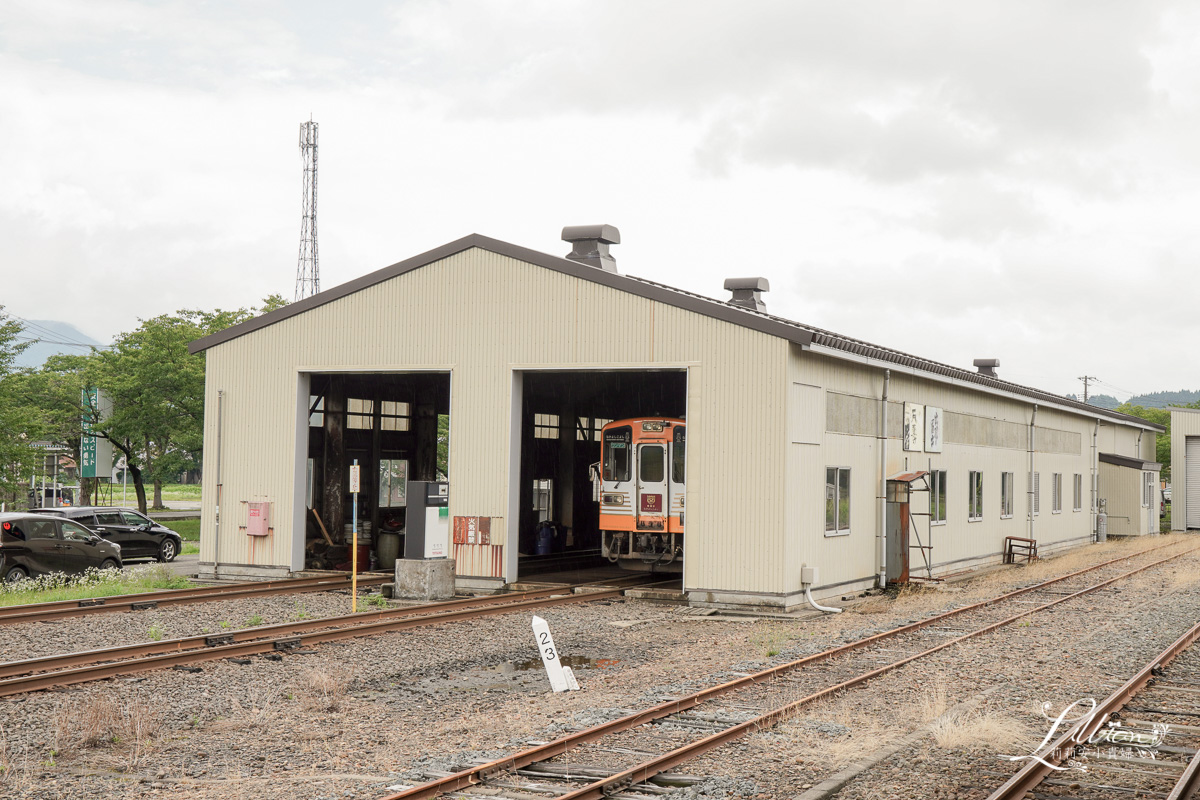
x,y
425,579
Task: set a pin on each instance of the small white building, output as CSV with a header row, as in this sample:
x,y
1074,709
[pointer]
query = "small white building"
x,y
498,364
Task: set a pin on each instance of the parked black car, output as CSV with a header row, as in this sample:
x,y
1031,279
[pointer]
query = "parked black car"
x,y
138,536
36,544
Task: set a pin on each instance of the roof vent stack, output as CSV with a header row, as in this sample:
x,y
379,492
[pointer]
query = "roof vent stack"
x,y
987,366
589,245
747,292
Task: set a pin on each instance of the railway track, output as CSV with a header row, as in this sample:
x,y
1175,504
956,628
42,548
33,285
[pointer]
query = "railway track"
x,y
18,677
673,732
68,609
1140,741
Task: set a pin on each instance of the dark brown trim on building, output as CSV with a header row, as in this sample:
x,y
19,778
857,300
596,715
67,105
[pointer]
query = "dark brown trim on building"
x,y
802,335
772,326
1129,461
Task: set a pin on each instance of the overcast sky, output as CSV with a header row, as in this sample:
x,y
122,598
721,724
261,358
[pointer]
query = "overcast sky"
x,y
1017,180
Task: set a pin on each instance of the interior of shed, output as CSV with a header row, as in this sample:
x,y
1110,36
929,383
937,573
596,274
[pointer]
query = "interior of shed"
x,y
396,426
562,416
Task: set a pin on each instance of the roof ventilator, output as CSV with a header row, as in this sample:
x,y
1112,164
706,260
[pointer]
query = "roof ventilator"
x,y
987,366
747,292
589,245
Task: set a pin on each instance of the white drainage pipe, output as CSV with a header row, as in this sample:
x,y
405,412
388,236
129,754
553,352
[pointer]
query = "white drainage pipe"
x,y
808,576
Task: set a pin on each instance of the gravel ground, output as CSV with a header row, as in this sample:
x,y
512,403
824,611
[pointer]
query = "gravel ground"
x,y
349,719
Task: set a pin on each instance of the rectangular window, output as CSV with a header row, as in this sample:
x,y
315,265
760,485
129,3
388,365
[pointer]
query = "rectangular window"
x,y
678,454
975,496
360,414
393,482
589,429
1147,488
316,411
1035,489
617,443
543,499
1056,493
837,501
1006,495
545,426
394,415
1078,506
652,468
937,497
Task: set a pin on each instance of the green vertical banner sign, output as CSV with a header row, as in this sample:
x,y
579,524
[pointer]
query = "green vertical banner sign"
x,y
95,453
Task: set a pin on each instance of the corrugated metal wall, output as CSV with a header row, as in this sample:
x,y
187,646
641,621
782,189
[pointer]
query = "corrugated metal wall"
x,y
1184,423
983,432
480,315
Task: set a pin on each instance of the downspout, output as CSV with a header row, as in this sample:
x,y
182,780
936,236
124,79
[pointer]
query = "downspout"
x,y
1032,467
881,513
1142,482
217,516
1095,480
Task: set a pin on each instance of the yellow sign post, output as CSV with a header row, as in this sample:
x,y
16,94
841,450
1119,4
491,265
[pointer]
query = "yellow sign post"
x,y
355,472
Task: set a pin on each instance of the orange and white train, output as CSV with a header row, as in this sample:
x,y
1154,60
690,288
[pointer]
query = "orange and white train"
x,y
640,485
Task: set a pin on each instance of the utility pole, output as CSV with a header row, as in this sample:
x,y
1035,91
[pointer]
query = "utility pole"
x,y
308,279
1086,379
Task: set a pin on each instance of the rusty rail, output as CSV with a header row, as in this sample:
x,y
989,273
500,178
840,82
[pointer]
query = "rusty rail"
x,y
66,609
33,674
1035,771
478,774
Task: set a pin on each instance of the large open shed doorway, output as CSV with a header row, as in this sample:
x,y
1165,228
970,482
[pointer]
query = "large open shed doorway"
x,y
396,426
561,417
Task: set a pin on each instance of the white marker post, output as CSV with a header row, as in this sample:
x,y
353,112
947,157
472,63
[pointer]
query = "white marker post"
x,y
554,667
355,479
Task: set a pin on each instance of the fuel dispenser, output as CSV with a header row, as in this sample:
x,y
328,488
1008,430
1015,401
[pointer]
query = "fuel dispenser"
x,y
427,527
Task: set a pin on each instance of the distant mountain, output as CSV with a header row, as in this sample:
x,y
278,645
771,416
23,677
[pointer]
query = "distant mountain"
x,y
1098,400
53,337
1165,399
1152,400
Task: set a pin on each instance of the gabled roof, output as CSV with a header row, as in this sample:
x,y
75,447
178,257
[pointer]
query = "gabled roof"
x,y
804,335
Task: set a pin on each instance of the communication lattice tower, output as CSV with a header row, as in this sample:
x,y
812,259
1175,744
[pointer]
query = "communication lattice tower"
x,y
308,278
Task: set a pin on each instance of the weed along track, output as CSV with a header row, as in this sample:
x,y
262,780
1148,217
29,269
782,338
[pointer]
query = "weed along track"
x,y
294,697
33,674
70,609
1143,740
626,752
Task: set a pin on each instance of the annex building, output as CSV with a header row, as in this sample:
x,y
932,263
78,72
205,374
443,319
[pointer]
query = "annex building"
x,y
490,370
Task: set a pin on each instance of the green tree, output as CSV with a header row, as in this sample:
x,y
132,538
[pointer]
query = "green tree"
x,y
53,398
157,393
1162,444
17,456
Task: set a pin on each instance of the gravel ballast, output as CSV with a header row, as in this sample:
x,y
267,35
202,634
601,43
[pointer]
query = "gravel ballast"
x,y
349,719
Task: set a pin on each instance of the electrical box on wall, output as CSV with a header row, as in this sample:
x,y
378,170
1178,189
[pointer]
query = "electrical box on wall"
x,y
258,519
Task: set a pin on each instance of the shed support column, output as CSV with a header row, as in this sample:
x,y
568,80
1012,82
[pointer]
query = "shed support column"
x,y
425,465
564,486
334,477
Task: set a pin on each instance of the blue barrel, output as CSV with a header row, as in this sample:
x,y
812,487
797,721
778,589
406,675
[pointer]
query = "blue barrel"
x,y
545,540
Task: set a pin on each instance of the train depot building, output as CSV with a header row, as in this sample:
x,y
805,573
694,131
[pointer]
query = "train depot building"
x,y
518,412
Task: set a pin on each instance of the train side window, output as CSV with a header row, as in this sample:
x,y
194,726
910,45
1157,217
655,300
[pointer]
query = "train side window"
x,y
652,469
617,443
677,455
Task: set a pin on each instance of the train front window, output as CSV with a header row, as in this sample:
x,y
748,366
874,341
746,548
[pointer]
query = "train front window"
x,y
652,468
677,455
617,443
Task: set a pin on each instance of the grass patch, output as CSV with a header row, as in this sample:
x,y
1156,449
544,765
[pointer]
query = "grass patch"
x,y
191,548
189,529
93,583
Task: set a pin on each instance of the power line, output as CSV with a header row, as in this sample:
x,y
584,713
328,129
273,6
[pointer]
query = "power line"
x,y
1085,379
